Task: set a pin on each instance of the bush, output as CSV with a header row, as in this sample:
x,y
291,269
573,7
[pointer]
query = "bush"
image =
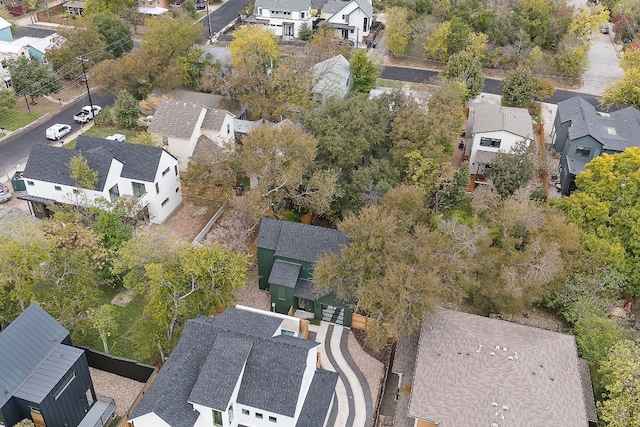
x,y
305,32
539,194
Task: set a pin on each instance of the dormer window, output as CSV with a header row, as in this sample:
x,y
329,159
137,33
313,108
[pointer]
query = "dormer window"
x,y
582,151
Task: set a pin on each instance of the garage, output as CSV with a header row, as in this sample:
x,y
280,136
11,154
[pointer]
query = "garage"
x,y
332,314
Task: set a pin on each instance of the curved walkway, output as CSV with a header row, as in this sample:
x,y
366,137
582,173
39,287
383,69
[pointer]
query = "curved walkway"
x,y
353,399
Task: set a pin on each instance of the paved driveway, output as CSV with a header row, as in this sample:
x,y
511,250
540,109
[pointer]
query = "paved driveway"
x,y
604,66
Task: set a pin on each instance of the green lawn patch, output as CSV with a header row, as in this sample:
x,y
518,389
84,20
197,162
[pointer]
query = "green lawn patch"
x,y
14,120
105,131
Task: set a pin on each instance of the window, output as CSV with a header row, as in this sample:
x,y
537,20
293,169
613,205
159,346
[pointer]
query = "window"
x,y
175,169
177,189
30,183
365,27
258,415
301,15
230,413
282,293
1,421
139,189
64,385
89,397
273,419
217,418
287,333
490,142
260,11
345,18
245,412
583,151
228,128
114,193
165,140
57,188
165,201
166,171
157,188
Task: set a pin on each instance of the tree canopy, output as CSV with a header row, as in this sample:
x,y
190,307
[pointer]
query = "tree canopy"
x,y
364,71
32,78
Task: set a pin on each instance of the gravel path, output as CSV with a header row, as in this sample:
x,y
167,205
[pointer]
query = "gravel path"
x,y
123,390
372,369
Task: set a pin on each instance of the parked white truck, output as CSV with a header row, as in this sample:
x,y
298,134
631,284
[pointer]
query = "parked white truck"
x,y
85,114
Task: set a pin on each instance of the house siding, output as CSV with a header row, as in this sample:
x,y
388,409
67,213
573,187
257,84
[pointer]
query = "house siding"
x,y
6,35
561,133
356,19
282,306
507,141
11,413
266,258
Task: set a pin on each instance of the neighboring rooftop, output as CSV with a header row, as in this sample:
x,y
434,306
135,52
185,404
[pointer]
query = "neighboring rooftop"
x,y
299,241
27,347
494,118
283,5
476,371
236,345
616,131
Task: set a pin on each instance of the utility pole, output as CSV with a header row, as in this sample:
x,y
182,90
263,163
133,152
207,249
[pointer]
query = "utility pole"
x,y
86,82
206,4
24,93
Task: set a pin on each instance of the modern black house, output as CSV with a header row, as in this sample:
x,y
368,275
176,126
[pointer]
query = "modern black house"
x,y
42,377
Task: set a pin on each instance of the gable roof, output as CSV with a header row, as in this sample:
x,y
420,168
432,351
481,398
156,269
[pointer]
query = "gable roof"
x,y
214,119
175,118
333,76
472,370
333,7
50,164
492,118
615,131
299,241
210,100
284,274
283,5
320,395
222,346
28,341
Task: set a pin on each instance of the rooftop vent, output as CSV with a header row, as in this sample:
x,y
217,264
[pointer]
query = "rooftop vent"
x,y
492,354
494,404
611,131
505,408
510,358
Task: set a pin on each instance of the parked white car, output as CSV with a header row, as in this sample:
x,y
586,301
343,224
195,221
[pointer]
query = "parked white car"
x,y
5,194
85,114
116,137
58,131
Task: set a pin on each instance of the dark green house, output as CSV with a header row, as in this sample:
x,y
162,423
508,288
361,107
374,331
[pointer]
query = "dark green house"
x,y
286,254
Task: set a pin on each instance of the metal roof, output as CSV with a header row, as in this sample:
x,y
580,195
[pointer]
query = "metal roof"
x,y
25,344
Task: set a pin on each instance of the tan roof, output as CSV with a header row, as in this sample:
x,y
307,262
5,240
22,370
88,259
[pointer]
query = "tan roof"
x,y
185,93
206,148
492,118
475,371
214,119
176,119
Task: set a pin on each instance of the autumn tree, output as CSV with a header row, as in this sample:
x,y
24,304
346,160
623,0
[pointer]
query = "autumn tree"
x,y
324,45
93,7
520,88
624,91
136,72
587,20
511,170
254,49
466,68
83,40
193,63
103,320
390,267
437,45
397,30
168,38
364,71
280,161
605,207
619,371
8,100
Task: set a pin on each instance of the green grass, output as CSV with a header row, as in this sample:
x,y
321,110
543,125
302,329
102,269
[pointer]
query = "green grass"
x,y
394,84
115,422
103,132
126,318
17,121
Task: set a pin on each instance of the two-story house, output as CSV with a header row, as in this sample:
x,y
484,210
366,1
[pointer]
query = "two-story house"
x,y
287,252
282,17
148,174
351,20
492,128
42,376
581,133
243,367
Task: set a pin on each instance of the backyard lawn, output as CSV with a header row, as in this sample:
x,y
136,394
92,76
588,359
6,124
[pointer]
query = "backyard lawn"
x,y
103,132
15,120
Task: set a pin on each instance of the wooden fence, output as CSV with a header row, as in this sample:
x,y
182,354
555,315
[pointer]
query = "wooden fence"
x,y
363,323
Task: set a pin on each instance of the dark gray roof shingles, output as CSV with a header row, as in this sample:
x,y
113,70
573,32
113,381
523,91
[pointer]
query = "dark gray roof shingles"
x,y
284,274
320,395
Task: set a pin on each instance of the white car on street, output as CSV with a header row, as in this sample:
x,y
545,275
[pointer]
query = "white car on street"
x,y
58,131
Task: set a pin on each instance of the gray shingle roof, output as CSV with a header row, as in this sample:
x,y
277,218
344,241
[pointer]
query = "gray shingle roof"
x,y
492,118
305,289
188,94
587,387
50,164
228,354
283,5
299,241
470,368
284,274
332,7
616,131
321,392
214,347
176,119
214,119
24,345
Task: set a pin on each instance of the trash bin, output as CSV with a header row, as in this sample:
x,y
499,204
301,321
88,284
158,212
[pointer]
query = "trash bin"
x,y
17,182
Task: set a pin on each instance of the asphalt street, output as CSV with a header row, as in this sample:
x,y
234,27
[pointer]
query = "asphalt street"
x,y
416,75
223,16
15,148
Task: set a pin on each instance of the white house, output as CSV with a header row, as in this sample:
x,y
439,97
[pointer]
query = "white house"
x,y
282,17
149,174
350,19
183,125
243,367
334,78
492,128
